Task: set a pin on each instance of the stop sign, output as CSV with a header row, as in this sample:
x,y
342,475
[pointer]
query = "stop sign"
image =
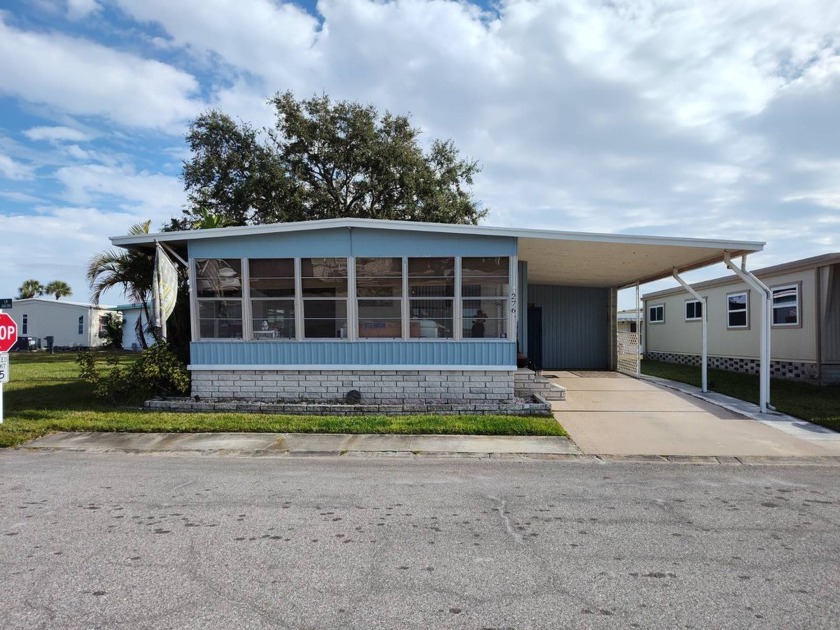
x,y
8,332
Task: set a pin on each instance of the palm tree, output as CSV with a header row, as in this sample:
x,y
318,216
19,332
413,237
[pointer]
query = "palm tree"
x,y
131,270
30,288
58,288
208,220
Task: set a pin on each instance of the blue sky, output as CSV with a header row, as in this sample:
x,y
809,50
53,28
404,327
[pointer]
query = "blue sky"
x,y
701,119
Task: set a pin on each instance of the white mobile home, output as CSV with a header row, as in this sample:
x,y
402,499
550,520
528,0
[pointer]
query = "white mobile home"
x,y
804,321
70,324
134,316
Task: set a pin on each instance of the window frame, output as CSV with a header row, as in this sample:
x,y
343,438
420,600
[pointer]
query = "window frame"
x,y
245,301
350,323
779,287
746,310
505,300
651,307
693,302
356,298
24,324
244,295
263,335
452,300
81,325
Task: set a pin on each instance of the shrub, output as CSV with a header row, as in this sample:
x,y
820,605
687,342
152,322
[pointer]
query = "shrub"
x,y
112,331
156,372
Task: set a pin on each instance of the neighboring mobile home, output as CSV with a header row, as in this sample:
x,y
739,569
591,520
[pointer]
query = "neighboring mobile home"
x,y
70,324
134,316
805,321
406,312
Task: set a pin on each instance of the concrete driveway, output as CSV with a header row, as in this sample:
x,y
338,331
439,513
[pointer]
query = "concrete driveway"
x,y
607,413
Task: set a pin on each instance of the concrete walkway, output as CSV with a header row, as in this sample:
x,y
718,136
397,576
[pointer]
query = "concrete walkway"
x,y
610,417
608,413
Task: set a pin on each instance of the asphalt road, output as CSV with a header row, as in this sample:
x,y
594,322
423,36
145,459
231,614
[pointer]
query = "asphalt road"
x,y
109,541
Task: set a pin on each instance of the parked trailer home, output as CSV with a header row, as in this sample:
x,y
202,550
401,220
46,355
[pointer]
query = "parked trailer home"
x,y
70,324
406,312
804,321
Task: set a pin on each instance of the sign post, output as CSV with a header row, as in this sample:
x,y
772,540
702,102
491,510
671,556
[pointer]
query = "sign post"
x,y
8,337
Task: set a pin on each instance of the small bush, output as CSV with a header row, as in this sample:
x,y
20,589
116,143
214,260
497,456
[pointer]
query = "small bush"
x,y
112,331
157,372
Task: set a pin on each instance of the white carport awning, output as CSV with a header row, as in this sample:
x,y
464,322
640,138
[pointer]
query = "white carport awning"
x,y
613,261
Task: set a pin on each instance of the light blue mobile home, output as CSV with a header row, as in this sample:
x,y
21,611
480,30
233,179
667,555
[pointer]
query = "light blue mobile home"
x,y
405,312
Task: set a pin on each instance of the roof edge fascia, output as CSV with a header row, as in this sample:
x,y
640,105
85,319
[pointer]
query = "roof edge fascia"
x,y
416,226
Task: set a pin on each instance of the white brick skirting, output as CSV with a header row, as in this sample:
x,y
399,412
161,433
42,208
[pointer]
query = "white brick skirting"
x,y
380,387
794,370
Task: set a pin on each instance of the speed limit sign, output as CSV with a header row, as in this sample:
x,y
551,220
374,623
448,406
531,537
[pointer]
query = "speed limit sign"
x,y
4,368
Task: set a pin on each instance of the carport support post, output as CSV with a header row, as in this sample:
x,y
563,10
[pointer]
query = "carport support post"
x,y
638,333
704,379
764,368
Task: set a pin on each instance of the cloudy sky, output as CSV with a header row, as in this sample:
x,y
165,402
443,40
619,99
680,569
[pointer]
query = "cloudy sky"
x,y
665,117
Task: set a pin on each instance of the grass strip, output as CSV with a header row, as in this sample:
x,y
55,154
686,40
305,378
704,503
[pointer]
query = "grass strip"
x,y
46,396
820,405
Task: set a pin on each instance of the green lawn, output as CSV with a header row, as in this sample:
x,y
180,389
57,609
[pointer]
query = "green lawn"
x,y
45,395
820,405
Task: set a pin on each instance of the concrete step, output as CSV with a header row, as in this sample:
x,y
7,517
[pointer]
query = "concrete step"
x,y
529,382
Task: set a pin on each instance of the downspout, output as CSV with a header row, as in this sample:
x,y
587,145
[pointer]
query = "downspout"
x,y
704,378
764,368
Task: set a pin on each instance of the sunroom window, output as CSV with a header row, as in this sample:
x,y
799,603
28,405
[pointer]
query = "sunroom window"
x,y
219,297
324,286
431,289
485,293
272,284
379,297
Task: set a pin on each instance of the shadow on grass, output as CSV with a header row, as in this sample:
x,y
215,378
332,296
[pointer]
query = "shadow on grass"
x,y
51,395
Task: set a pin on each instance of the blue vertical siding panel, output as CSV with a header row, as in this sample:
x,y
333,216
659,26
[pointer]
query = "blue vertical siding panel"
x,y
575,326
337,353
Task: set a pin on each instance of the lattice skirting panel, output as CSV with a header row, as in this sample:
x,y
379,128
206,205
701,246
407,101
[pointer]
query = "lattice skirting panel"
x,y
794,370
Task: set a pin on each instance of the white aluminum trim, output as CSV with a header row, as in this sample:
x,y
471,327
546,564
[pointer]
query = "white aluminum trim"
x,y
298,301
352,311
193,303
247,318
513,298
438,228
405,305
332,367
458,306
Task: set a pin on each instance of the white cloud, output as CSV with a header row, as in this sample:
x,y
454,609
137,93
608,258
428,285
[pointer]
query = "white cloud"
x,y
78,9
148,195
19,197
57,243
56,134
265,38
80,77
11,169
